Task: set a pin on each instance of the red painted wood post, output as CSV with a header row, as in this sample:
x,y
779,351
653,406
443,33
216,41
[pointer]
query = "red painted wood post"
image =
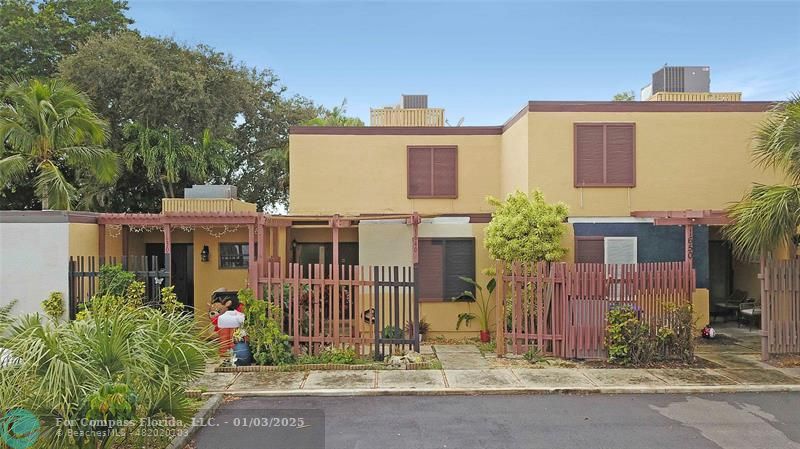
x,y
260,263
335,223
252,269
499,309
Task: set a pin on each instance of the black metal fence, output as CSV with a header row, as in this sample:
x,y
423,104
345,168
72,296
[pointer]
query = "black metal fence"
x,y
84,275
396,309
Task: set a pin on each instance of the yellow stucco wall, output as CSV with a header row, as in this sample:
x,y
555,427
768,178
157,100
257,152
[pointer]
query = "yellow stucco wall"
x,y
83,239
389,243
687,160
348,174
514,158
208,276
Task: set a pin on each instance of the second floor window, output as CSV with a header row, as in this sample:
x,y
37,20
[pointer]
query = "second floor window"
x,y
433,172
605,155
233,255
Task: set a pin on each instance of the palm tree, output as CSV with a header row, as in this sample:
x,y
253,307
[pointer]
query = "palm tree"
x,y
48,125
170,160
768,216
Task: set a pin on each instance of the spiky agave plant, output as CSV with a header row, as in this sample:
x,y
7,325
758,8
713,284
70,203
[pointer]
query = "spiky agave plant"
x,y
59,366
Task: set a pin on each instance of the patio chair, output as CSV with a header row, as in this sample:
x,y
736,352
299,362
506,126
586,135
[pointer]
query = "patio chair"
x,y
730,306
749,311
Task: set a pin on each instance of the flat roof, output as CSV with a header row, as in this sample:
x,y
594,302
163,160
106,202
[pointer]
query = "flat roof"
x,y
47,216
543,106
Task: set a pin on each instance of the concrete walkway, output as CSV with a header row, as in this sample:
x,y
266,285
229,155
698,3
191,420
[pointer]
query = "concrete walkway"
x,y
466,371
502,380
460,357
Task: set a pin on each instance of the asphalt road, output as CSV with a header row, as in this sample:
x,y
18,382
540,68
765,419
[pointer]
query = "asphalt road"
x,y
730,421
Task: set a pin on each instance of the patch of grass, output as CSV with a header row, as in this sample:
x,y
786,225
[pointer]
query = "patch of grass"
x,y
487,348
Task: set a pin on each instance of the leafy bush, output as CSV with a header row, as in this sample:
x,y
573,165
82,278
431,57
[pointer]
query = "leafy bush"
x,y
70,369
53,306
268,344
131,299
526,228
392,332
169,300
631,341
628,339
114,280
331,354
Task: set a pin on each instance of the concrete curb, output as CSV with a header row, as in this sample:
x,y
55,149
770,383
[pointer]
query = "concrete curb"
x,y
677,389
202,415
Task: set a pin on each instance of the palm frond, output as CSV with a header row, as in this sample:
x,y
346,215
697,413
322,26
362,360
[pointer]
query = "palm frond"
x,y
767,218
777,141
13,168
51,185
101,162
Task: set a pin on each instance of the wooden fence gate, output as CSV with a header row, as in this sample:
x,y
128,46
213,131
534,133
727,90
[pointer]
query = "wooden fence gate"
x,y
371,309
84,272
560,308
780,306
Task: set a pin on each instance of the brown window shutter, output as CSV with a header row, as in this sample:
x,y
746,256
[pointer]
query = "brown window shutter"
x,y
445,172
430,282
620,170
589,250
589,154
420,171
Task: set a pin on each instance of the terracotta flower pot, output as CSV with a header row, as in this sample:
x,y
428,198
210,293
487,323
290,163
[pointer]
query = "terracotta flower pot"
x,y
486,337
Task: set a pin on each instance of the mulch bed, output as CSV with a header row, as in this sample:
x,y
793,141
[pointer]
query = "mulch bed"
x,y
785,360
698,363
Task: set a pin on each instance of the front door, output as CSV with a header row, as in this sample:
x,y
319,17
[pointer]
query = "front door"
x,y
182,269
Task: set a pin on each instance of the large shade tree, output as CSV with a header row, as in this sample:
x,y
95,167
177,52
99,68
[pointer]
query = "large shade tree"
x,y
45,128
768,216
162,85
36,34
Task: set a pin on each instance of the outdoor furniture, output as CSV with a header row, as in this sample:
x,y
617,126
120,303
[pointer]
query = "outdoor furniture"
x,y
730,306
749,311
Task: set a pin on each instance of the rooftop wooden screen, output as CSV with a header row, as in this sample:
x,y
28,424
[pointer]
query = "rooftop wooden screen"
x,y
433,172
605,155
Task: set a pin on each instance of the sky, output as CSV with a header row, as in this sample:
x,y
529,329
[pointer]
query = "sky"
x,y
484,60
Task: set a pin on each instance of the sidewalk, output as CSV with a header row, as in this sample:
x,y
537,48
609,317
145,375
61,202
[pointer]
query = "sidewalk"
x,y
466,371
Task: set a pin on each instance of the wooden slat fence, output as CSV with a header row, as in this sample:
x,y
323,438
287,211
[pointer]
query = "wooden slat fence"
x,y
560,308
780,305
84,282
351,310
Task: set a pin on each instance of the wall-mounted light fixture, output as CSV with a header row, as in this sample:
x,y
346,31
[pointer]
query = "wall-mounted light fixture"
x,y
204,254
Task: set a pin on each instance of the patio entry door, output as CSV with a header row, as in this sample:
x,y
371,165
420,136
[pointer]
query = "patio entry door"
x,y
182,269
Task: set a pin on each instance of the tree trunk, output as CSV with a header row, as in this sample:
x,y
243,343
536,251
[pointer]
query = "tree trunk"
x,y
45,203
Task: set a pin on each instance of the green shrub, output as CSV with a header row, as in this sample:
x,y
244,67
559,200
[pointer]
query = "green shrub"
x,y
631,341
114,280
393,332
533,355
169,300
72,369
268,344
628,339
333,355
53,306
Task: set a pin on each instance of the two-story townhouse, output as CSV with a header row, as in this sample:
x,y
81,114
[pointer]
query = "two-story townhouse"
x,y
644,181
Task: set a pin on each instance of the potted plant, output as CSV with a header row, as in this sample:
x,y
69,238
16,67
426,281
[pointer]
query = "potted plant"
x,y
485,308
423,328
241,349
